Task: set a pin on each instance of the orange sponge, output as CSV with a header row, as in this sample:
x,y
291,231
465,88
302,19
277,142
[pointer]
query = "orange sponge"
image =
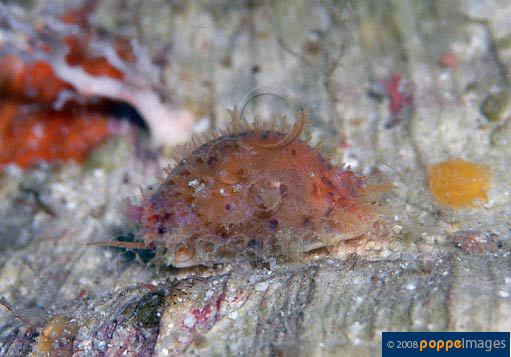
x,y
459,184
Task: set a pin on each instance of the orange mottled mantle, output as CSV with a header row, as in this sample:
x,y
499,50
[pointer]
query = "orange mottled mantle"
x,y
251,193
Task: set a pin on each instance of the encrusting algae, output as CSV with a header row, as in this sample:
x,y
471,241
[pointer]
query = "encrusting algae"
x,y
251,193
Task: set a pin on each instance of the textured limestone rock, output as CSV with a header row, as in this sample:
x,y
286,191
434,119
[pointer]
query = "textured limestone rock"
x,y
392,86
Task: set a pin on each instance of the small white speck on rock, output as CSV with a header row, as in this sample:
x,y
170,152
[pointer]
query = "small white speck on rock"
x,y
262,286
503,294
209,294
410,286
189,321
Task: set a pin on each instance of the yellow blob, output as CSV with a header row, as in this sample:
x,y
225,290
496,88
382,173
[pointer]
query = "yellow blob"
x,y
458,183
58,333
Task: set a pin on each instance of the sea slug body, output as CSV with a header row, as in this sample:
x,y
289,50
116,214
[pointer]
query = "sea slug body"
x,y
252,193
